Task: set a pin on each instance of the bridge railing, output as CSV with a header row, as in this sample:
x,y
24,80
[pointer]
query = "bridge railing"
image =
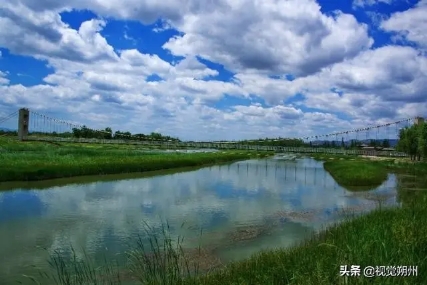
x,y
225,146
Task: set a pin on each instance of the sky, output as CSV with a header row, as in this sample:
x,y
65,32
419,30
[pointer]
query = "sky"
x,y
217,69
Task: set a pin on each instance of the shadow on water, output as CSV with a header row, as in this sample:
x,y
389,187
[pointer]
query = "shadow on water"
x,y
243,208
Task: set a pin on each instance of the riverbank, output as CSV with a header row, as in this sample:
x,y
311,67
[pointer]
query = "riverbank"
x,y
32,161
390,237
385,237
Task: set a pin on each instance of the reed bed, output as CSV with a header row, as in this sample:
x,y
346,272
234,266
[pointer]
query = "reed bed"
x,y
39,161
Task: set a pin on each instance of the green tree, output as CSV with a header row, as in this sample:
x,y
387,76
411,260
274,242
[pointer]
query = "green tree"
x,y
422,141
76,133
108,133
385,143
409,141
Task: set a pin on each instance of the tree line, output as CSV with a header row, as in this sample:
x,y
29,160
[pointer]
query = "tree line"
x,y
413,141
285,142
107,133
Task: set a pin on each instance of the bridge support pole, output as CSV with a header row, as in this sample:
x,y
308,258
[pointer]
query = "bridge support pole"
x,y
23,123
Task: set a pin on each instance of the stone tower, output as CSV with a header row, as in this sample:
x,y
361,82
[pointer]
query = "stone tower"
x,y
23,123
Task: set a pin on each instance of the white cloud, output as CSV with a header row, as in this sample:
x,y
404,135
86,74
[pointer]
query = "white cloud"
x,y
366,3
3,79
282,37
288,36
44,35
110,87
410,24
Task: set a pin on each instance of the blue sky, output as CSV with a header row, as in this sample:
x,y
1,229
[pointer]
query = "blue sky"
x,y
222,70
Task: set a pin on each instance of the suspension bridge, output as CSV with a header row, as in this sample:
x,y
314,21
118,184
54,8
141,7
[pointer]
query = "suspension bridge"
x,y
34,126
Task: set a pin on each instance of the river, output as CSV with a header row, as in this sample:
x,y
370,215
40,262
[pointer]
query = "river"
x,y
242,208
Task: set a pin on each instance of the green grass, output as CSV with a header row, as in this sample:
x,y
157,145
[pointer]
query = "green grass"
x,y
360,173
356,173
25,161
385,237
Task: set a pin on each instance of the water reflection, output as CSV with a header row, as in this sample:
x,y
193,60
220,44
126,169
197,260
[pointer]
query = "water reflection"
x,y
243,208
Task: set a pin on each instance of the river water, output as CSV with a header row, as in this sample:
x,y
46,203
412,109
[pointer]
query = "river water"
x,y
242,208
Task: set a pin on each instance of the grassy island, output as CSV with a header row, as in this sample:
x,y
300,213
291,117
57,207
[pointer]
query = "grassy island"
x,y
356,173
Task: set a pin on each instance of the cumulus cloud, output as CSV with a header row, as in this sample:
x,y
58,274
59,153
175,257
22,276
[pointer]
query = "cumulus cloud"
x,y
3,79
393,72
44,35
336,71
291,37
409,25
287,37
366,3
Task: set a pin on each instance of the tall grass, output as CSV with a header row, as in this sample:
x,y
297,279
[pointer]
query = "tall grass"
x,y
41,162
356,173
163,261
156,258
75,271
385,237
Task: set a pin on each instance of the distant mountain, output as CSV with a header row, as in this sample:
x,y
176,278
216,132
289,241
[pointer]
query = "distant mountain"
x,y
5,129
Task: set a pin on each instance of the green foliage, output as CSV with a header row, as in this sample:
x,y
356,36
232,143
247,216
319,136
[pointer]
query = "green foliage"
x,y
8,133
21,161
383,237
385,143
356,173
413,141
